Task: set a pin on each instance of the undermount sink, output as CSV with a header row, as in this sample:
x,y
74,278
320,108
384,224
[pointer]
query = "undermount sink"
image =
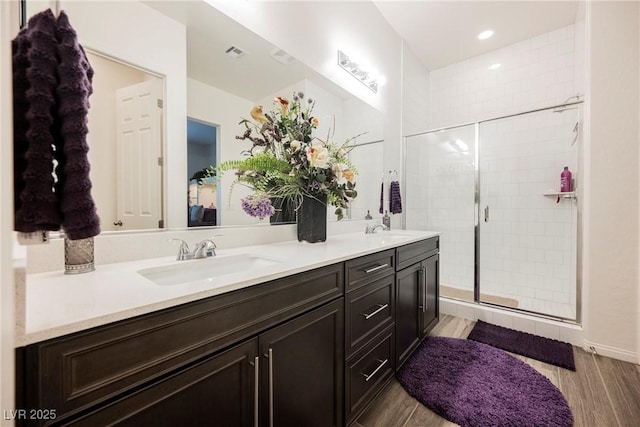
x,y
205,269
386,236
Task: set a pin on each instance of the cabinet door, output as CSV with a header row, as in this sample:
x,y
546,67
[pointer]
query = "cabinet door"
x,y
219,391
302,370
408,326
429,293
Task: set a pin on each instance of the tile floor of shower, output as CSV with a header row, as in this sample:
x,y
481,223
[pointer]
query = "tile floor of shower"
x,y
551,308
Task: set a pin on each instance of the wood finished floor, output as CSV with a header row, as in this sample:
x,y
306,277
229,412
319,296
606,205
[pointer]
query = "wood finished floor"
x,y
603,392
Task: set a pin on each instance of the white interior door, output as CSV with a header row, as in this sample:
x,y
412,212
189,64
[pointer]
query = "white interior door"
x,y
139,113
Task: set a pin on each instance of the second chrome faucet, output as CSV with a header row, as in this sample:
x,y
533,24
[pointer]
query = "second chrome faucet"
x,y
204,249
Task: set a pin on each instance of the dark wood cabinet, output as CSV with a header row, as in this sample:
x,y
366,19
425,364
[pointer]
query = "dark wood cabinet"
x,y
219,391
302,370
417,295
370,311
431,300
73,374
295,379
368,371
408,328
312,349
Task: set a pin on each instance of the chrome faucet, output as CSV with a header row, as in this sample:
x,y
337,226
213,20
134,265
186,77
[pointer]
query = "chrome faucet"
x,y
371,229
204,249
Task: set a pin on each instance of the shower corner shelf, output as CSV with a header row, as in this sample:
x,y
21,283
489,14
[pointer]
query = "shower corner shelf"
x,y
561,194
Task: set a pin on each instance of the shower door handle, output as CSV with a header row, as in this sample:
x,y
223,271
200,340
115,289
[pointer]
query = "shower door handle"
x,y
486,214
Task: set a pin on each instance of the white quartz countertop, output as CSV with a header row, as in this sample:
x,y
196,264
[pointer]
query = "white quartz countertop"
x,y
54,304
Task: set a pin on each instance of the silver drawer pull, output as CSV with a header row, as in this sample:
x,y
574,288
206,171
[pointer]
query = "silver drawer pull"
x,y
256,397
382,363
378,310
380,267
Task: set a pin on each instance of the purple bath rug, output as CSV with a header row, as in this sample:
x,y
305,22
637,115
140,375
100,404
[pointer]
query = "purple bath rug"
x,y
543,349
475,385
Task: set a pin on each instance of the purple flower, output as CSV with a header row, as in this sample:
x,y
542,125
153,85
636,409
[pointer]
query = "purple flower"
x,y
258,205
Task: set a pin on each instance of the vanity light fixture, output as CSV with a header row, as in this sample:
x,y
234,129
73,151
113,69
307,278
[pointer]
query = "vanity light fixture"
x,y
495,66
485,34
369,78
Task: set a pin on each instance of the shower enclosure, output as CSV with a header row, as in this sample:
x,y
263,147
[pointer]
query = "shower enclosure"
x,y
509,237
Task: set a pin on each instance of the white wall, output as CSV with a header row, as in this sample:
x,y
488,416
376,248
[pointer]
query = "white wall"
x,y
611,257
415,93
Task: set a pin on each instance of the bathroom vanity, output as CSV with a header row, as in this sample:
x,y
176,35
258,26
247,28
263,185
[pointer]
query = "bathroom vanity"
x,y
309,339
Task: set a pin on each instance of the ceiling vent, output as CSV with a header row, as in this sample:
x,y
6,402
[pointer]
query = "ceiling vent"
x,y
282,56
235,52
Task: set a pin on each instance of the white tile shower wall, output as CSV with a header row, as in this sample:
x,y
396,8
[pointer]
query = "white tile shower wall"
x,y
537,72
528,243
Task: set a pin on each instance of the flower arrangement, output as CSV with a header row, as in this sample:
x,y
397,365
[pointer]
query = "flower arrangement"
x,y
287,161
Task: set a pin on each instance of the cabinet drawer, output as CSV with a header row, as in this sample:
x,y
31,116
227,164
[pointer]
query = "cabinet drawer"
x,y
414,252
368,372
227,380
70,373
369,310
362,270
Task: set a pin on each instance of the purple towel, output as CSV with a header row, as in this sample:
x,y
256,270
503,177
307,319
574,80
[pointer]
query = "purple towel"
x,y
36,70
52,84
395,201
75,74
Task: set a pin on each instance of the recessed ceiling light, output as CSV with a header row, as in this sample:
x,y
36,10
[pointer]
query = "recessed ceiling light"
x,y
494,66
485,34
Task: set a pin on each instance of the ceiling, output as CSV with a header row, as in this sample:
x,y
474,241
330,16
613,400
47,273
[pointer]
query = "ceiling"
x,y
254,75
440,33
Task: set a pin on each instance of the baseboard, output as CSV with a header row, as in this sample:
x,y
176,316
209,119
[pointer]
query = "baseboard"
x,y
544,327
613,352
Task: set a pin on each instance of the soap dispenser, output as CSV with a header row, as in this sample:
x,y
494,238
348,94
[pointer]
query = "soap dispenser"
x,y
386,220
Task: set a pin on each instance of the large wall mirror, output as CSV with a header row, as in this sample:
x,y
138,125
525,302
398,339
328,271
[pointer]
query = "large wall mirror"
x,y
207,79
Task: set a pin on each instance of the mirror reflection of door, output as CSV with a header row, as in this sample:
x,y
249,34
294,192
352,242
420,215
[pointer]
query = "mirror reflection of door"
x,y
105,155
139,111
202,205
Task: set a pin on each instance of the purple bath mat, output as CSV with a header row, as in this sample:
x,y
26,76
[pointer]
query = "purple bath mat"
x,y
475,385
543,349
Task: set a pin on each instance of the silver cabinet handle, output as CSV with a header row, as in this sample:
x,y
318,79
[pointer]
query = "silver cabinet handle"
x,y
382,363
378,310
256,393
372,269
424,289
270,387
486,214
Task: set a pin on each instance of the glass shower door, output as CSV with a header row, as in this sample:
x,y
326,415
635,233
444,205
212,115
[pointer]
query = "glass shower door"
x,y
440,195
527,240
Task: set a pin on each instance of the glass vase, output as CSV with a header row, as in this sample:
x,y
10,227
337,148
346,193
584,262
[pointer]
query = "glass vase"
x,y
285,210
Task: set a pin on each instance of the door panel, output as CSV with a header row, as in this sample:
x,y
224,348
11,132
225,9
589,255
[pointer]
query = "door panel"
x,y
440,195
302,367
528,233
407,315
139,150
